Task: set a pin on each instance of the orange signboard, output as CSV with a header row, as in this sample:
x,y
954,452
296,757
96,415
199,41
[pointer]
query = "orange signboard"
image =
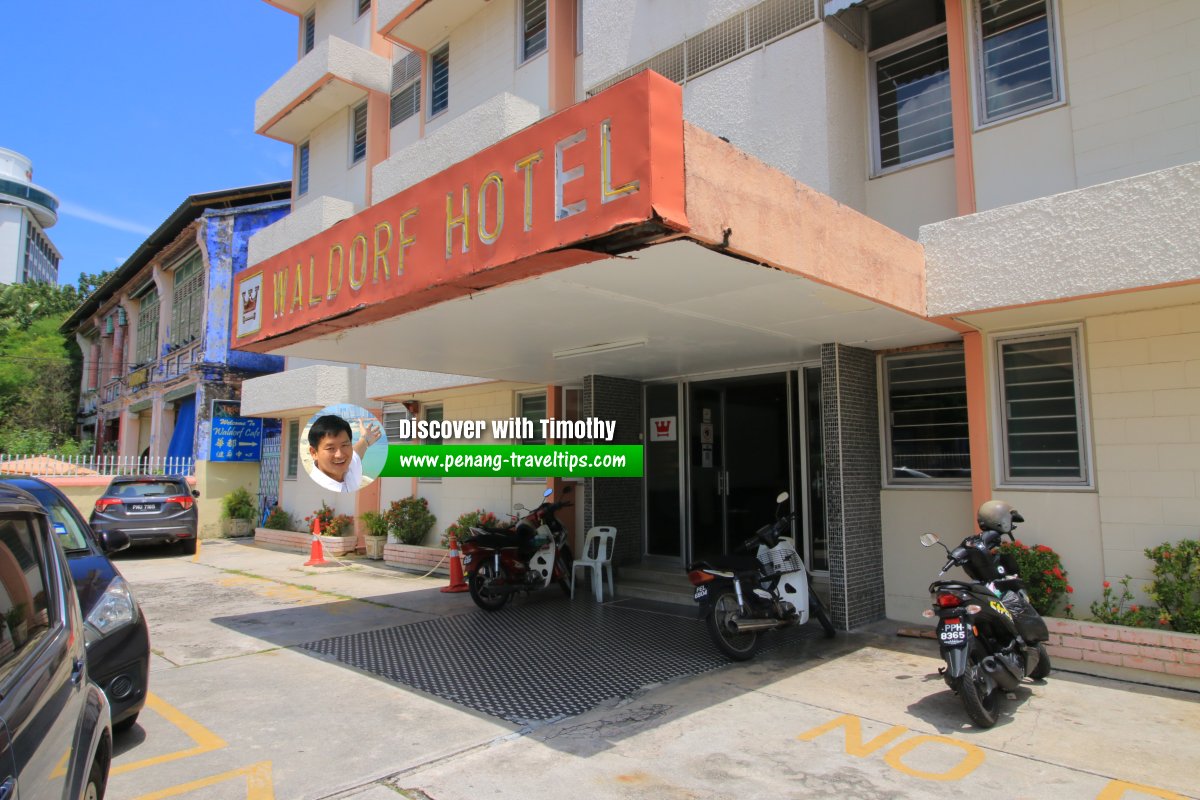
x,y
604,165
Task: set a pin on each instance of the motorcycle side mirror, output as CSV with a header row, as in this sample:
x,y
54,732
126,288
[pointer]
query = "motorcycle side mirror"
x,y
929,539
782,498
519,507
547,493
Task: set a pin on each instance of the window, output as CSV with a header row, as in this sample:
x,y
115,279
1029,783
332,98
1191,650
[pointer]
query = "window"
x,y
25,607
393,415
358,133
1015,46
188,306
302,170
439,79
406,88
533,28
533,408
910,69
310,31
432,413
1042,409
362,6
147,328
293,449
926,417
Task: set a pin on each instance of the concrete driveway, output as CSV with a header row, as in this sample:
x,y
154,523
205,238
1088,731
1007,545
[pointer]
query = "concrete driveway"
x,y
270,680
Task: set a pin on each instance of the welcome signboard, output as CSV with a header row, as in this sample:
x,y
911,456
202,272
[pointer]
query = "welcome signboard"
x,y
609,163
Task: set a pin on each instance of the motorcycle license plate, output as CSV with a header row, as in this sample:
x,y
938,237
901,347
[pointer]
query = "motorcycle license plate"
x,y
953,633
701,591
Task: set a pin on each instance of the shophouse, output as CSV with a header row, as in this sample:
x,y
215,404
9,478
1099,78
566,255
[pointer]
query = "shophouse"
x,y
26,210
895,257
157,366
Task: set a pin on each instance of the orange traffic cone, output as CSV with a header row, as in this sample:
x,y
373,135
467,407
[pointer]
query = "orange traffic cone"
x,y
316,553
457,584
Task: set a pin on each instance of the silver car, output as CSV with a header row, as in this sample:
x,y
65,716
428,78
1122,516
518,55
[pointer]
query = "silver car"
x,y
150,509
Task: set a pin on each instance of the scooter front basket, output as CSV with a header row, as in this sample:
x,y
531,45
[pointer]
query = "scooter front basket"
x,y
780,558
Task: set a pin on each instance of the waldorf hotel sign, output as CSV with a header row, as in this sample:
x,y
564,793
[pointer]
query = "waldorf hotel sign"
x,y
511,211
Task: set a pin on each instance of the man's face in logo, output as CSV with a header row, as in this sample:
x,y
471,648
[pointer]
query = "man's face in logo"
x,y
333,454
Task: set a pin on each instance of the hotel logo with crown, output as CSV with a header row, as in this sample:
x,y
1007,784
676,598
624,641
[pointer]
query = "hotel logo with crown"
x,y
250,305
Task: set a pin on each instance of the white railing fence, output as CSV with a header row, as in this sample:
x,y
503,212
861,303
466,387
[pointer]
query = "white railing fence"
x,y
53,466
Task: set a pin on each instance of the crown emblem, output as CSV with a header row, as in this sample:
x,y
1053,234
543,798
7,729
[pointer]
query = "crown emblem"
x,y
249,303
663,426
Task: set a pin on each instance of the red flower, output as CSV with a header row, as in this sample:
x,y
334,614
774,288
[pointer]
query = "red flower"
x,y
1133,608
1070,590
1107,585
1041,548
1046,572
1166,554
1058,572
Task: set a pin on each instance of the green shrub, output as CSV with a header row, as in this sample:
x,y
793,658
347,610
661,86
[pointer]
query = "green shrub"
x,y
280,520
1176,584
472,519
375,523
239,504
410,520
1041,569
1121,610
331,524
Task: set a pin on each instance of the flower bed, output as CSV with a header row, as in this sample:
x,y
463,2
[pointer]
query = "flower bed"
x,y
417,558
302,542
1138,648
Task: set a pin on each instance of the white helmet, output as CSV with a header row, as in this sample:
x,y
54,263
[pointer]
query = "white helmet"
x,y
998,516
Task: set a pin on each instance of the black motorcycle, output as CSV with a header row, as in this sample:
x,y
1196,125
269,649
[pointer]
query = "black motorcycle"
x,y
761,586
991,636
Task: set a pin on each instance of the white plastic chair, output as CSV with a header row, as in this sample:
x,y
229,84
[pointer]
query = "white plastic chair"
x,y
597,555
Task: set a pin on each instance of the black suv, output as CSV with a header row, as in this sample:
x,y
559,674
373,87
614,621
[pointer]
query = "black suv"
x,y
58,735
152,509
118,642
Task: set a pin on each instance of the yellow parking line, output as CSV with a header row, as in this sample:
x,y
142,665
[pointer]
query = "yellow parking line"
x,y
258,783
206,741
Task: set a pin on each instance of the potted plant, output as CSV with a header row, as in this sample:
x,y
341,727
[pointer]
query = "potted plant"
x,y
337,530
377,532
238,511
280,520
410,520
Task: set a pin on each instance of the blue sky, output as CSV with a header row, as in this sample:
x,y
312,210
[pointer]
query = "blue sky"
x,y
127,108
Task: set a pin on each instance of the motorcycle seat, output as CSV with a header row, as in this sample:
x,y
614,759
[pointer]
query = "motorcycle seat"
x,y
737,563
495,540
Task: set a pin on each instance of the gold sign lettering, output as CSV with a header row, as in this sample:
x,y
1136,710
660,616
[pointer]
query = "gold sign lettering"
x,y
524,167
463,221
381,252
486,236
358,262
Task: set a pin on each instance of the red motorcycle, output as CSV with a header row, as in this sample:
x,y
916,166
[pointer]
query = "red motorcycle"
x,y
501,562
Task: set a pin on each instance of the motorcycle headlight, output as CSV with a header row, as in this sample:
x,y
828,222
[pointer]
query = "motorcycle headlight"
x,y
115,609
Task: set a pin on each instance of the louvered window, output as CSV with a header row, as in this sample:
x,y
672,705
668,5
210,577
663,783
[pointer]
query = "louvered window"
x,y
187,307
393,415
533,28
912,103
1015,41
406,88
928,439
363,6
439,78
310,31
1042,409
147,328
302,171
358,128
293,450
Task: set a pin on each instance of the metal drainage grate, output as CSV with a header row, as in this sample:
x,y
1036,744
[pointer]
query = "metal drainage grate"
x,y
538,661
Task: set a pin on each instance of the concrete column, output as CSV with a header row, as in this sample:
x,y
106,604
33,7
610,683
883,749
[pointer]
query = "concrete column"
x,y
160,430
850,424
127,441
117,361
616,501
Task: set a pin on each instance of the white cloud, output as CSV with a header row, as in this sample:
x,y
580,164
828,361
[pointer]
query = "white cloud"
x,y
79,212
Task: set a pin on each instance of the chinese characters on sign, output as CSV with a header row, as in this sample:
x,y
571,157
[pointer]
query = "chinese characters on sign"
x,y
235,439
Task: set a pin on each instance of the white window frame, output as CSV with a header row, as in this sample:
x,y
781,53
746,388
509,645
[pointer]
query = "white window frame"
x,y
311,15
291,456
981,122
425,416
1082,411
303,168
430,113
873,59
524,58
520,398
404,87
885,426
390,409
360,108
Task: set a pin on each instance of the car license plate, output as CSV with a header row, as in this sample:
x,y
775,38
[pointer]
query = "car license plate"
x,y
701,591
953,633
135,508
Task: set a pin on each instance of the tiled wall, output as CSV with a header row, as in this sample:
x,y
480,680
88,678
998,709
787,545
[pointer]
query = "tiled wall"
x,y
616,501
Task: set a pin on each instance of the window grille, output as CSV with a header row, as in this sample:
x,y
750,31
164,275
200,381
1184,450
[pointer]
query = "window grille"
x,y
406,88
533,408
363,6
912,95
755,27
393,415
433,413
533,28
1015,41
926,412
302,169
358,143
439,77
1042,409
187,309
147,328
293,449
310,31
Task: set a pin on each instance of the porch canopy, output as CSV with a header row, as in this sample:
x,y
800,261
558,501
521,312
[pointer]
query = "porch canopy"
x,y
612,238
